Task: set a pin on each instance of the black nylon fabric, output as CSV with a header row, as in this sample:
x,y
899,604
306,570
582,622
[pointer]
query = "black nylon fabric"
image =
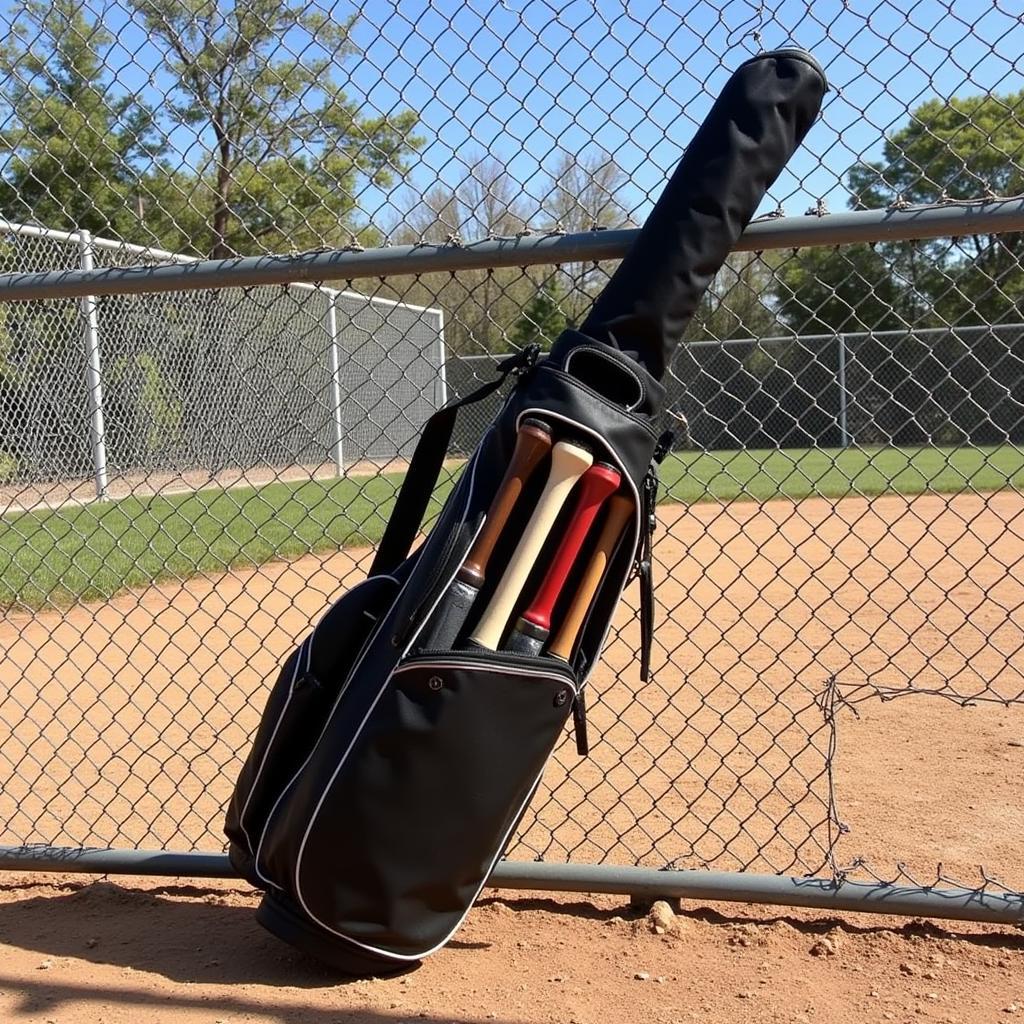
x,y
754,127
350,803
372,807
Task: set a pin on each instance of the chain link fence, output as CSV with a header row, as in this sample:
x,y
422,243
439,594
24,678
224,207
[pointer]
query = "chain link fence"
x,y
842,523
133,392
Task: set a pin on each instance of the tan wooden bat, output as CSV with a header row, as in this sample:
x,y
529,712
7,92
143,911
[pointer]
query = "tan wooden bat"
x,y
620,508
533,442
569,462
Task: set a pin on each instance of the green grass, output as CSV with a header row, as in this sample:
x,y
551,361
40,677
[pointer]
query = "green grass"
x,y
94,551
835,472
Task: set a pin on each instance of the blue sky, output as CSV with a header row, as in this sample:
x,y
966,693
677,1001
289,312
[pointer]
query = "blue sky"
x,y
517,79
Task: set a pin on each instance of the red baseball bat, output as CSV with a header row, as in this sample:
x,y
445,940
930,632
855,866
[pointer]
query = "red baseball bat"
x,y
596,486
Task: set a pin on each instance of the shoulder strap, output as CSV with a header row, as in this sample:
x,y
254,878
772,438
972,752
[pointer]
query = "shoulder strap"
x,y
425,467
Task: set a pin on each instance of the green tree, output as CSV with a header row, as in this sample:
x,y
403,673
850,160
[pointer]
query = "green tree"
x,y
962,148
543,318
284,148
71,144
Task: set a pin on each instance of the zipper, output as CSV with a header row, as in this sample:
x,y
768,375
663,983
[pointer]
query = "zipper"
x,y
496,659
551,668
643,565
517,366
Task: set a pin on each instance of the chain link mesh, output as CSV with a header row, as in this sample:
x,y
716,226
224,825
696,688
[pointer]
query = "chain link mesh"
x,y
842,522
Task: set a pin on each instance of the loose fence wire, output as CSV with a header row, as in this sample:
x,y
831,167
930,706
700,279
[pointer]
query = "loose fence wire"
x,y
842,520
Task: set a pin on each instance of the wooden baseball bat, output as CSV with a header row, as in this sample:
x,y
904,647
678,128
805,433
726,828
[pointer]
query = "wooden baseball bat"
x,y
620,508
533,442
599,482
569,461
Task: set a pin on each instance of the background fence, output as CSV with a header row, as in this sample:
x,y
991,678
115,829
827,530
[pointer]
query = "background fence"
x,y
190,383
844,528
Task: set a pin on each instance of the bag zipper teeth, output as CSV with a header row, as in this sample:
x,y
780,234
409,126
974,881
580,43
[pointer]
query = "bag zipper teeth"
x,y
527,661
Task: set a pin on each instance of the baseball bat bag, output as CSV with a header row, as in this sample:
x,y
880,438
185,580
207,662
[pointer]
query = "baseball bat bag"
x,y
405,736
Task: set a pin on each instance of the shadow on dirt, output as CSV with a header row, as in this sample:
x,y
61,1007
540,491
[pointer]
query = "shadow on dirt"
x,y
184,933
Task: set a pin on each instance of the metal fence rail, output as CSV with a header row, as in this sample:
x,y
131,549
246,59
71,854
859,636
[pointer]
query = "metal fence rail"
x,y
841,552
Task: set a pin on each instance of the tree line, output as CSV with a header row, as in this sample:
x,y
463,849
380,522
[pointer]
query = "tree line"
x,y
278,154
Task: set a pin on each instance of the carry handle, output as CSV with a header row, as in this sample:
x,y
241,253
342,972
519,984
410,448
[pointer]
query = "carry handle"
x,y
425,466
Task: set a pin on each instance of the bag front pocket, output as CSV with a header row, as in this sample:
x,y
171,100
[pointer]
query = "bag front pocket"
x,y
296,711
426,796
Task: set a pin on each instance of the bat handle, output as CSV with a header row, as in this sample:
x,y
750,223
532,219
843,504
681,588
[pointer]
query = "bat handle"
x,y
568,463
598,483
620,508
533,442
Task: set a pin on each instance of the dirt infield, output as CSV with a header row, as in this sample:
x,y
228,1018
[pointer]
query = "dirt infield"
x,y
103,953
782,625
127,719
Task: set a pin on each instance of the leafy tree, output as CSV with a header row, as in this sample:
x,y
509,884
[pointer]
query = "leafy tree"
x,y
962,148
70,145
543,318
285,148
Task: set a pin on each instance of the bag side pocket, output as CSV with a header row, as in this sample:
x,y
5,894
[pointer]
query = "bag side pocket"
x,y
295,713
424,799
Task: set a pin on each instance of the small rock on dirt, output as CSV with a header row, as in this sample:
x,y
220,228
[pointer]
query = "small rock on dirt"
x,y
661,917
908,969
641,976
1015,743
824,947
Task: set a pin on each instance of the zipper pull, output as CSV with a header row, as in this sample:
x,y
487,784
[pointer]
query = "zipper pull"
x,y
664,446
579,724
521,362
644,569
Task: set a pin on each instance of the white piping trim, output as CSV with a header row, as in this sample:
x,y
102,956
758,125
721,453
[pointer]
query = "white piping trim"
x,y
613,362
362,724
512,670
270,744
388,954
270,813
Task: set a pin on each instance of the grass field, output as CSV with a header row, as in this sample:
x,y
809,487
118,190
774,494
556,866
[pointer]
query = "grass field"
x,y
93,551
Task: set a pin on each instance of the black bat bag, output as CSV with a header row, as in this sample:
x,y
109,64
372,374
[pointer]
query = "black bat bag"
x,y
399,746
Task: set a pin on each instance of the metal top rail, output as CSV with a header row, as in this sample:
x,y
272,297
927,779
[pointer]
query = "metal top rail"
x,y
8,227
887,225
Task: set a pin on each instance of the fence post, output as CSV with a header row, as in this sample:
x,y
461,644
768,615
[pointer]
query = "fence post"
x,y
332,337
844,436
93,374
442,372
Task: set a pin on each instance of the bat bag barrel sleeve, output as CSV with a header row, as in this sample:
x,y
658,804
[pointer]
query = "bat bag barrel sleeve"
x,y
401,744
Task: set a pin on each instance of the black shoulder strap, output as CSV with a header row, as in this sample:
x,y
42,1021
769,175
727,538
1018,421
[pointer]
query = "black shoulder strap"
x,y
425,467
